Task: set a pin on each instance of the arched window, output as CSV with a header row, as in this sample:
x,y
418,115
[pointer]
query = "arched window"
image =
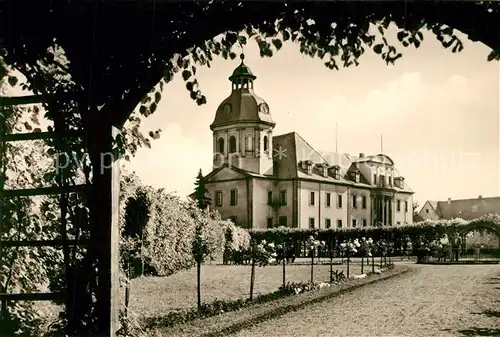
x,y
266,143
232,144
221,145
249,146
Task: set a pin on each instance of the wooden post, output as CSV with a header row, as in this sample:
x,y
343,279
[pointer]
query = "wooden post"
x,y
105,241
252,275
312,265
284,255
331,257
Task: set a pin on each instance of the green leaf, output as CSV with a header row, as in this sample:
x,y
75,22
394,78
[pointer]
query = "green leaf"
x,y
493,56
242,40
378,48
232,55
157,97
143,109
286,35
152,107
401,35
189,86
186,74
12,80
277,43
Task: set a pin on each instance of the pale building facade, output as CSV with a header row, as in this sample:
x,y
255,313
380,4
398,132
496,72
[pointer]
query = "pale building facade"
x,y
262,180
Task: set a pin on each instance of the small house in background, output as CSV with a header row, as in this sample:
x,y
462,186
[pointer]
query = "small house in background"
x,y
467,209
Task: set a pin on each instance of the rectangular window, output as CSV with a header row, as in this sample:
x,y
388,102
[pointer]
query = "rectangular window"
x,y
234,197
283,197
339,223
363,202
374,179
353,223
218,198
328,200
398,205
311,223
390,181
354,201
283,221
311,198
364,222
269,197
406,206
269,222
233,219
328,223
339,201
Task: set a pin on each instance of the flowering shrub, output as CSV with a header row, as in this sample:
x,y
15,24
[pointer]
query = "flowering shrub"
x,y
168,235
295,288
208,240
264,252
349,248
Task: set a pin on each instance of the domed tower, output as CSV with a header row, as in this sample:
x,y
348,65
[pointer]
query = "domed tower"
x,y
243,128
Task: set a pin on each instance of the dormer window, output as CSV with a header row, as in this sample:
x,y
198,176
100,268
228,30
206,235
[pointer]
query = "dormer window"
x,y
323,167
307,166
399,182
355,176
335,171
264,108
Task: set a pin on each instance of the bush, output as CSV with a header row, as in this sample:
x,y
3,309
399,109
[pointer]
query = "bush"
x,y
168,235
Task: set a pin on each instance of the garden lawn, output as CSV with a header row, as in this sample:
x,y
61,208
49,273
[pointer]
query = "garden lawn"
x,y
156,296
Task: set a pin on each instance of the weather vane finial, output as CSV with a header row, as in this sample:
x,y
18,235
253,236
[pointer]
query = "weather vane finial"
x,y
242,55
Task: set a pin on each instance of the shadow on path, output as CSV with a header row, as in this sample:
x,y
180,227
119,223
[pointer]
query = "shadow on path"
x,y
472,332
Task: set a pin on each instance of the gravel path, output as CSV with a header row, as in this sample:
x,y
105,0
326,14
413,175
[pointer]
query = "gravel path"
x,y
446,300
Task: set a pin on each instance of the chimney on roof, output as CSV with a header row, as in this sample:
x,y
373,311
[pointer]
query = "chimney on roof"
x,y
361,155
449,200
480,196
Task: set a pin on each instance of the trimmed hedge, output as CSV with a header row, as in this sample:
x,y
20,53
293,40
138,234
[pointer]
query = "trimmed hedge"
x,y
420,234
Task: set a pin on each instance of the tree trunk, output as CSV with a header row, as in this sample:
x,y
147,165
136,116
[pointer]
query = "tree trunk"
x,y
198,282
373,264
362,263
312,266
331,259
348,260
284,262
127,294
252,275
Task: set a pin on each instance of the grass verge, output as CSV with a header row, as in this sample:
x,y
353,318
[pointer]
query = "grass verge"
x,y
230,322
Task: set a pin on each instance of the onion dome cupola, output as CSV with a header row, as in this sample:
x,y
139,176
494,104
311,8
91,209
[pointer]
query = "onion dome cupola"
x,y
243,105
243,127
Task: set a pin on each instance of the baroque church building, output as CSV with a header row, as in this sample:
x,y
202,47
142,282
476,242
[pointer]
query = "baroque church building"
x,y
262,180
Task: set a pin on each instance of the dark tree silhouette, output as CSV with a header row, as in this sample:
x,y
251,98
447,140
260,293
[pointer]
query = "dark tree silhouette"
x,y
202,200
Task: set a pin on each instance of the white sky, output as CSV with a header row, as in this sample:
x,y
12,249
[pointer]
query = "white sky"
x,y
438,113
